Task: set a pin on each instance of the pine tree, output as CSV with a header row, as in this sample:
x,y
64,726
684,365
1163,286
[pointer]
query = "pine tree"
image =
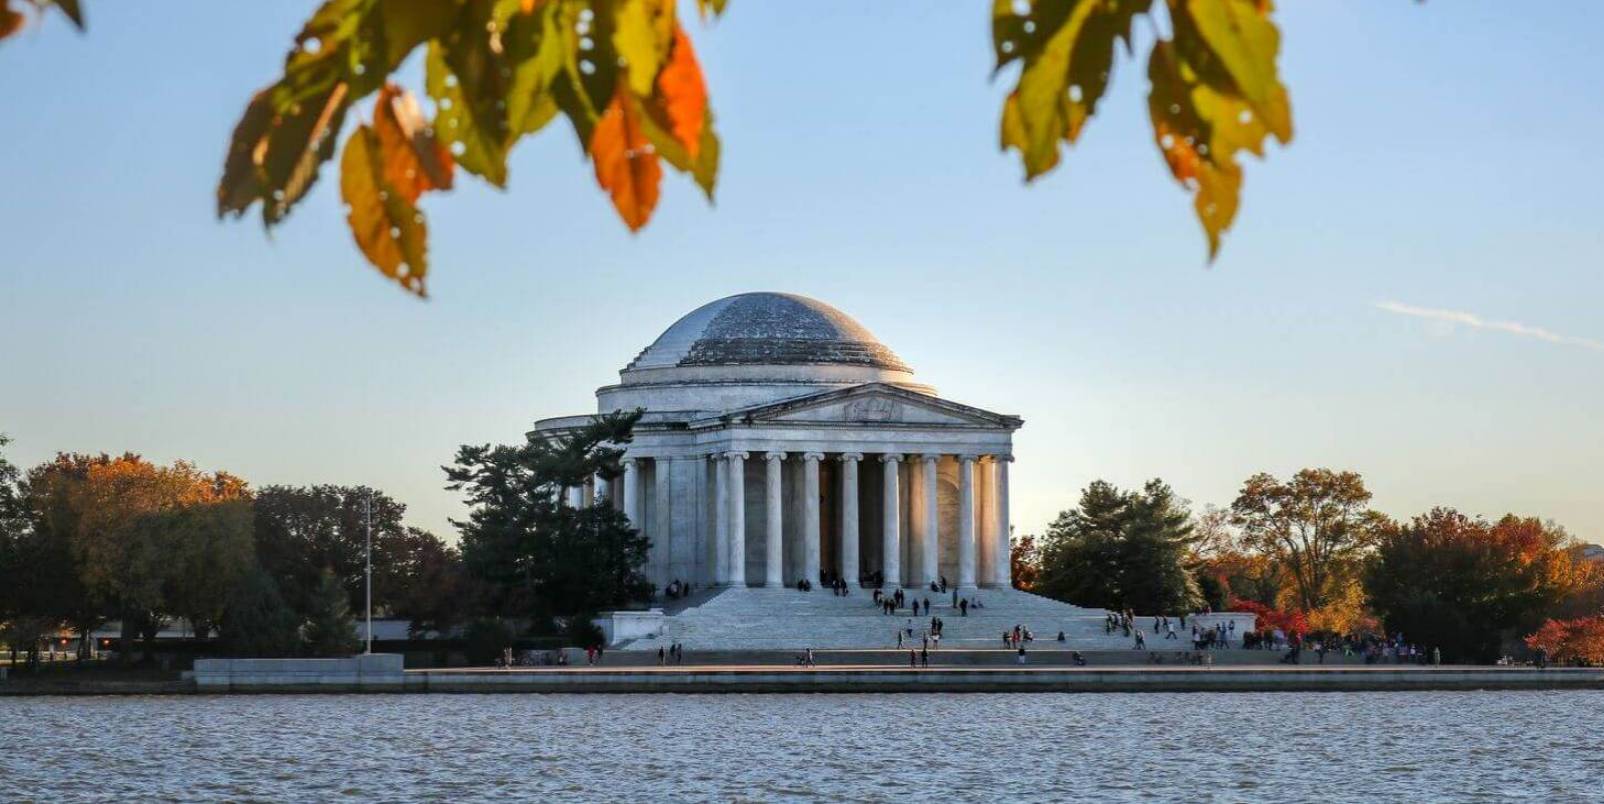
x,y
1121,550
330,629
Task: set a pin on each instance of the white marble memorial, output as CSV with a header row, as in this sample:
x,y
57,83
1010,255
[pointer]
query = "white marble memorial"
x,y
782,441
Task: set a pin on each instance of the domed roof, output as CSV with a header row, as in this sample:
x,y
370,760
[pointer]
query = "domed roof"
x,y
766,329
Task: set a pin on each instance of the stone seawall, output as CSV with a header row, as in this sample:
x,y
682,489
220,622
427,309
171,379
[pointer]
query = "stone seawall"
x,y
982,679
378,672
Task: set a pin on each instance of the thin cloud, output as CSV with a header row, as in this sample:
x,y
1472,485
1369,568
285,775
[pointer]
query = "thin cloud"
x,y
1477,322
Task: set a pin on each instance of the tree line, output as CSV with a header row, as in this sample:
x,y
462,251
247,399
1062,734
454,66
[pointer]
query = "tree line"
x,y
87,540
1311,556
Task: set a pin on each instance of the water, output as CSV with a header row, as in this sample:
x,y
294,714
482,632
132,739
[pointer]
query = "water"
x,y
1279,747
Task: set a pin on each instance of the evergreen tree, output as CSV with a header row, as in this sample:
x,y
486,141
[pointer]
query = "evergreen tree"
x,y
257,623
536,557
330,629
1121,550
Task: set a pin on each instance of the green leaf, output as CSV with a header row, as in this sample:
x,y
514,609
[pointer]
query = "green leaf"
x,y
388,229
1232,45
1068,51
537,47
641,36
468,81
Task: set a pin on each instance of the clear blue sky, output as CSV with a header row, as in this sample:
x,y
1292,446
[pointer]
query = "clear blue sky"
x,y
1447,159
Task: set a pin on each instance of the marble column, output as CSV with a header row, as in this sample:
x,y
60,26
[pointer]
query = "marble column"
x,y
1003,565
966,523
587,492
737,517
604,490
930,540
773,560
631,491
849,516
576,496
721,522
662,528
891,521
985,520
810,515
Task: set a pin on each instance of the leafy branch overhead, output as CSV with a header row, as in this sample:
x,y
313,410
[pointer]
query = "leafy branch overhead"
x,y
625,76
1214,90
622,72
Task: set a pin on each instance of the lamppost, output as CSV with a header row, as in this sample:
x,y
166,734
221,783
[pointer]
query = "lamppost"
x,y
367,516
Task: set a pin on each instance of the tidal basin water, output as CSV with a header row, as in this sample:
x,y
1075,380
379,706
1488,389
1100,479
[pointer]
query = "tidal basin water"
x,y
1491,746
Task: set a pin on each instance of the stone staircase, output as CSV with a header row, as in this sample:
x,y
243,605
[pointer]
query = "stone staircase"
x,y
786,619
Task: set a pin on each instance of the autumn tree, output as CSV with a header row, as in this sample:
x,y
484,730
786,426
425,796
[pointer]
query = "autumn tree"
x,y
1463,584
537,557
1314,526
1024,560
209,549
1120,549
625,76
1578,641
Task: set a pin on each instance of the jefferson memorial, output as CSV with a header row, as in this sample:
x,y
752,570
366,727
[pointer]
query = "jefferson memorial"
x,y
781,441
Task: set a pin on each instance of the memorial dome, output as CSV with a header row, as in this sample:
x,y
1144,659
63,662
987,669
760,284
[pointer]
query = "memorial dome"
x,y
766,329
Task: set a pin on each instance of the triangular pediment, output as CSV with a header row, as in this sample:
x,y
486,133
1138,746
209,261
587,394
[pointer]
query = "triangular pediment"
x,y
872,404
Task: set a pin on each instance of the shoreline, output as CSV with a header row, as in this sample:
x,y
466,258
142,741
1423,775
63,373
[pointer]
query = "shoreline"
x,y
846,679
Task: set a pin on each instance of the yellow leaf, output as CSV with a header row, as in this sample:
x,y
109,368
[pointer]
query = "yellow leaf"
x,y
642,32
388,229
626,166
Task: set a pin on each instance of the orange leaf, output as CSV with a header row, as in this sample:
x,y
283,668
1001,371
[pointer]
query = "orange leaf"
x,y
626,165
414,161
681,96
11,20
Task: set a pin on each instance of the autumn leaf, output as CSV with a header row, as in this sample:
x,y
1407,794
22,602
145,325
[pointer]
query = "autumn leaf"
x,y
642,33
707,8
679,97
1067,47
1184,130
537,46
468,79
11,20
275,155
388,229
414,161
626,164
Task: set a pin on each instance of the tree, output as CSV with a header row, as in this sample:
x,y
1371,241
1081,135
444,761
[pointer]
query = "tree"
x,y
1579,641
303,530
437,593
537,557
1024,559
209,550
256,622
330,630
625,75
1314,526
1460,584
1121,550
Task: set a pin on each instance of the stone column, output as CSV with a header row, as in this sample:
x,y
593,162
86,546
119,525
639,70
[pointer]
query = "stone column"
x,y
810,515
890,522
1003,565
737,517
721,522
588,492
930,540
966,523
604,490
631,489
985,520
662,528
773,560
849,516
576,496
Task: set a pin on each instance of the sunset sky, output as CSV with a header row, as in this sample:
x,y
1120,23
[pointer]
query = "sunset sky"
x,y
1414,289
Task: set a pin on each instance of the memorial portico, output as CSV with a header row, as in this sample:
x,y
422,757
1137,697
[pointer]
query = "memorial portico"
x,y
781,442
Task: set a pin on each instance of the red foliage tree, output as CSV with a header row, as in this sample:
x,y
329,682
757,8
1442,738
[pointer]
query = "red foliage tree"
x,y
1579,641
1290,622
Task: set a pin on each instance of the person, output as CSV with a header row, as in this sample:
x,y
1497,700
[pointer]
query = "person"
x,y
598,653
927,606
1060,636
1436,656
1170,632
924,655
899,639
963,607
913,658
590,655
810,657
1006,642
1141,642
661,656
1021,654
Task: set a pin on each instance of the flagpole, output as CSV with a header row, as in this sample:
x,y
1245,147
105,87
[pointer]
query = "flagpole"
x,y
367,510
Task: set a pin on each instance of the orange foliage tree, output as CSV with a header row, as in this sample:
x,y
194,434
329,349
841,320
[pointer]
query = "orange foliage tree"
x,y
625,75
1579,641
